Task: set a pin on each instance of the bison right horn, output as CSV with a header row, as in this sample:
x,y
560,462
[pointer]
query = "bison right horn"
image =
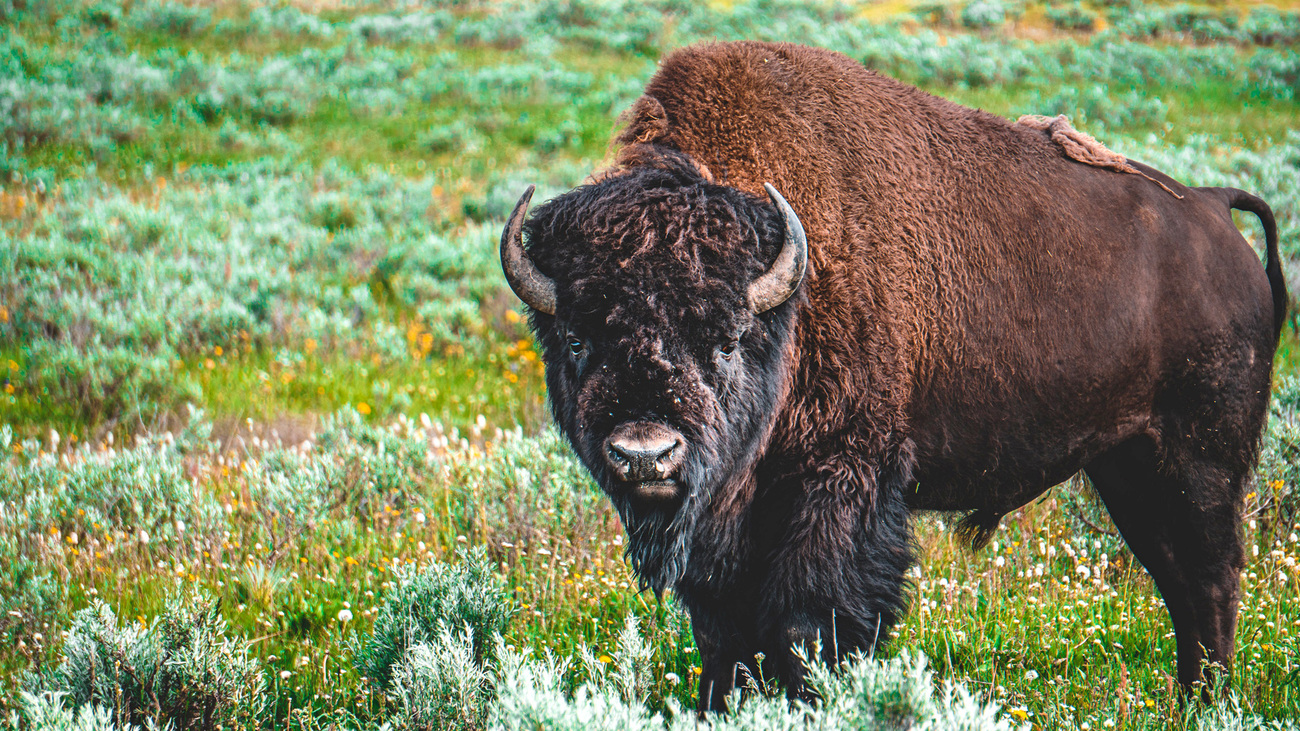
x,y
536,289
778,283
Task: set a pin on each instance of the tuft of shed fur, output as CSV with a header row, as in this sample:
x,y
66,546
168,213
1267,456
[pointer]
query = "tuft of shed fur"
x,y
1084,147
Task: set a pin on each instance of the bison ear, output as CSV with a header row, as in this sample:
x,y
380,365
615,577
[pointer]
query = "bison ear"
x,y
536,289
782,280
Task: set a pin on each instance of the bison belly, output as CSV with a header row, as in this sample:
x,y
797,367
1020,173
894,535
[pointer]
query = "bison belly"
x,y
1161,329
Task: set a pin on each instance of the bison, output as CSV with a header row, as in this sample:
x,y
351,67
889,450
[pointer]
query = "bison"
x,y
951,312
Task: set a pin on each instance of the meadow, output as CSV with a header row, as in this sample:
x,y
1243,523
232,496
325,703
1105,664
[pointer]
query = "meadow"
x,y
275,446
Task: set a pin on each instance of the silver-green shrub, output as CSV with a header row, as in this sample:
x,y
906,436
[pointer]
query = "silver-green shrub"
x,y
983,14
862,693
1072,16
1263,24
1099,106
540,692
1278,483
182,668
416,27
1266,25
353,470
170,18
283,19
34,112
46,712
141,489
31,593
107,292
427,603
1229,716
442,684
895,694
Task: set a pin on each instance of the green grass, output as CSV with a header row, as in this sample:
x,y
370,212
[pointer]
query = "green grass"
x,y
1287,360
454,390
1213,108
1090,626
1058,649
1242,115
1036,631
294,389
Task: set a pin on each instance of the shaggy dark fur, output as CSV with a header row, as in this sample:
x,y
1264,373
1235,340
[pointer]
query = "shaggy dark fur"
x,y
982,317
651,294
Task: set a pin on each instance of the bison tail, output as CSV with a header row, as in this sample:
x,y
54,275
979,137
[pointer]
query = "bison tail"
x,y
1243,201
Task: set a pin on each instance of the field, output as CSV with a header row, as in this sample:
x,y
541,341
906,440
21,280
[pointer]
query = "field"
x,y
276,450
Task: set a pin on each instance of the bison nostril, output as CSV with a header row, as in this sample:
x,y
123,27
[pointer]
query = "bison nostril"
x,y
637,455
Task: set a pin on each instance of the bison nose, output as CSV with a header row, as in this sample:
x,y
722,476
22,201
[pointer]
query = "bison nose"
x,y
641,451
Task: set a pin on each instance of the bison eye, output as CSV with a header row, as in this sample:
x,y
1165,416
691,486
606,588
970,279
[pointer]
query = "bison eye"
x,y
576,346
728,350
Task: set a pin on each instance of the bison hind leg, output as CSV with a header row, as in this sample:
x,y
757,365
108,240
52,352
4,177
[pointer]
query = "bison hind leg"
x,y
1183,526
976,529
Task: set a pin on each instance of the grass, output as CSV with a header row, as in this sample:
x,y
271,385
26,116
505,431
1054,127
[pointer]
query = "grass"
x,y
328,464
1214,108
1056,623
290,391
503,388
1071,630
334,131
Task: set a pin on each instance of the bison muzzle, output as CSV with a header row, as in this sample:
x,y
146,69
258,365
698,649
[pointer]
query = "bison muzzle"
x,y
950,313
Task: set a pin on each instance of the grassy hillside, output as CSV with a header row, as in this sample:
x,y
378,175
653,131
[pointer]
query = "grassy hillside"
x,y
258,361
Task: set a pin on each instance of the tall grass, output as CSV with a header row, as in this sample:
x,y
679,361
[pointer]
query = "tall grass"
x,y
336,576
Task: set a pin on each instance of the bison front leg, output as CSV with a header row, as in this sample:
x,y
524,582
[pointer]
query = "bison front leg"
x,y
725,637
837,575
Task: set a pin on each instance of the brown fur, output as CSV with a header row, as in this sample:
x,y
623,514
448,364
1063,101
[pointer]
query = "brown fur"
x,y
982,317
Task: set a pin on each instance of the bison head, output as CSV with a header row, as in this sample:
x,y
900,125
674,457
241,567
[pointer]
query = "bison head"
x,y
663,306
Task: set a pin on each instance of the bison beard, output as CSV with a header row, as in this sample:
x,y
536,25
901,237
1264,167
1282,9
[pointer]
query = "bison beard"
x,y
659,538
981,317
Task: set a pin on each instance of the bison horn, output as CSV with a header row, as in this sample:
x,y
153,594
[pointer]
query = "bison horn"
x,y
536,289
778,283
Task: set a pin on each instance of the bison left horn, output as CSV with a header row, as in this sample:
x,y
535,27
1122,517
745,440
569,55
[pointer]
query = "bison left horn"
x,y
536,289
778,283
